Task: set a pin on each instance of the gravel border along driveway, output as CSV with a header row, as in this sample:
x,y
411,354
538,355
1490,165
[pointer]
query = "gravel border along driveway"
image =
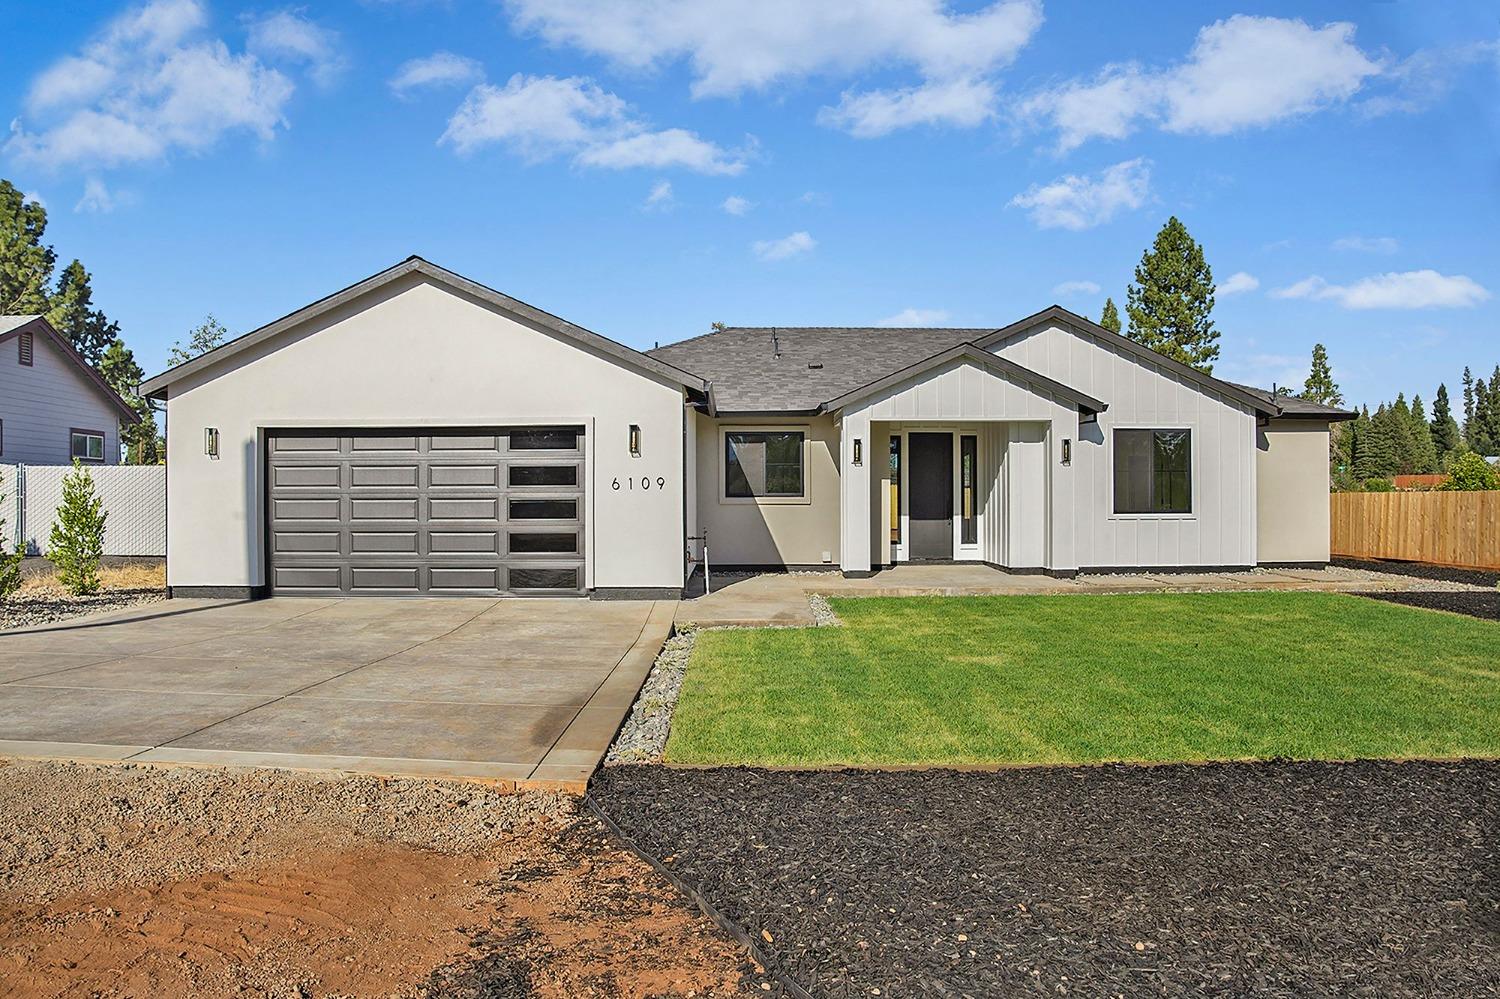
x,y
1275,879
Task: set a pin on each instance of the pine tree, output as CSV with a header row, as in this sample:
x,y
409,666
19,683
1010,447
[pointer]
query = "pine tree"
x,y
1361,445
1479,433
72,314
1398,422
201,339
124,375
1424,456
1444,429
1172,298
77,541
1110,318
1320,386
1468,403
1382,455
25,262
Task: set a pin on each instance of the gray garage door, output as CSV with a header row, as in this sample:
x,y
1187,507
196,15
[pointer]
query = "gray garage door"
x,y
390,512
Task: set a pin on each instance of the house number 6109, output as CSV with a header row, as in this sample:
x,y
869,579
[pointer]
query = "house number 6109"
x,y
644,482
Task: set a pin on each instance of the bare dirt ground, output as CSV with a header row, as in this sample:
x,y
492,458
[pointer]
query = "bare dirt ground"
x,y
119,880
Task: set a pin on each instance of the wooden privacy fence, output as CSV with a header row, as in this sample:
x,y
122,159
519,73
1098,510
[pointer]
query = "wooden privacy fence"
x,y
1444,528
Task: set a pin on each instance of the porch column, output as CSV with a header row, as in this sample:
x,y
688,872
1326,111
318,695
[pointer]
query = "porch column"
x,y
854,486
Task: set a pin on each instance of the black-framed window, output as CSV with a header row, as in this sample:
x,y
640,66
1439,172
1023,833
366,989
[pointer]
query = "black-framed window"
x,y
86,445
1153,471
968,470
760,463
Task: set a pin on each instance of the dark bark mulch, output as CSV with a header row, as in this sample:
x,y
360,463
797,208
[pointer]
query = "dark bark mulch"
x,y
1423,570
1483,605
1274,879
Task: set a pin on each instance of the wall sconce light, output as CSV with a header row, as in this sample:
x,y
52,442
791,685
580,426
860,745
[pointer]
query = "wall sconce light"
x,y
1067,450
859,451
635,441
211,442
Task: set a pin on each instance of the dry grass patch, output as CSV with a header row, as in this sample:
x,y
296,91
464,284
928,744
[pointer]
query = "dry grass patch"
x,y
111,577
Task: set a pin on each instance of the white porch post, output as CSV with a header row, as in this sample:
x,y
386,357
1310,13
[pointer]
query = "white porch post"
x,y
1062,499
854,505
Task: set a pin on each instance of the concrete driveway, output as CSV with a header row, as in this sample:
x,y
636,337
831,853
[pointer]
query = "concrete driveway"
x,y
525,690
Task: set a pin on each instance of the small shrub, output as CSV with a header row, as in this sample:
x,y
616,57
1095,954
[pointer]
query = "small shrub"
x,y
1375,484
10,561
77,542
1471,473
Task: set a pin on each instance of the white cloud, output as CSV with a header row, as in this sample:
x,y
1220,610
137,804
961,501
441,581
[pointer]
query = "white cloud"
x,y
660,197
146,85
909,318
1082,202
1367,244
99,199
738,45
1242,72
1426,76
961,103
1237,283
287,34
1424,289
736,205
780,249
441,69
541,117
1067,289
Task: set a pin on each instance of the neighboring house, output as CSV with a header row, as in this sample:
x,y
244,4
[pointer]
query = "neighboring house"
x,y
54,407
420,433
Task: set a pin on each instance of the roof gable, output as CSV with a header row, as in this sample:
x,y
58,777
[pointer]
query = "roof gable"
x,y
982,358
39,327
456,282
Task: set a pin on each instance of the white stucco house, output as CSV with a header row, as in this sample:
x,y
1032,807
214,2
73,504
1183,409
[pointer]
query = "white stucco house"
x,y
54,407
420,433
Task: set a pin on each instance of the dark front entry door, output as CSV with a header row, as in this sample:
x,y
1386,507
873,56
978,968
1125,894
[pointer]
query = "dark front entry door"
x,y
930,481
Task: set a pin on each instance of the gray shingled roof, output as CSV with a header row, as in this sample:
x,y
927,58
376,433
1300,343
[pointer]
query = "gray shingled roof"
x,y
748,377
8,323
1295,408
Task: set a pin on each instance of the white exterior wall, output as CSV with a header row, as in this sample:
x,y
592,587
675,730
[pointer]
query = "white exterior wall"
x,y
1220,531
41,403
417,354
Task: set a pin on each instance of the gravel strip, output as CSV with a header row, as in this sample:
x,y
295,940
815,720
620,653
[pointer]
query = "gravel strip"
x,y
1421,570
1274,879
1475,603
47,607
822,612
643,738
152,823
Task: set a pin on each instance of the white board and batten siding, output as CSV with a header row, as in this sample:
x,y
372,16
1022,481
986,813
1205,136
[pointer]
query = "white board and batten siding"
x,y
1221,529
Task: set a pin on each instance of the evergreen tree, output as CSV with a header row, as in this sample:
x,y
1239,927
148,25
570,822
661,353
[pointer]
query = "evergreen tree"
x,y
1110,318
1468,402
72,314
1172,298
12,552
1479,431
1382,454
1320,386
25,263
1361,445
77,541
201,339
1398,422
1443,428
1424,456
124,375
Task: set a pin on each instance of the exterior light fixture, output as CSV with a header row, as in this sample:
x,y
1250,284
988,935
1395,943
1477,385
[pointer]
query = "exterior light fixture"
x,y
859,451
1067,450
211,442
635,441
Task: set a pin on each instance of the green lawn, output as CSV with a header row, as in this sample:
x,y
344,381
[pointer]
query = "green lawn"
x,y
1074,679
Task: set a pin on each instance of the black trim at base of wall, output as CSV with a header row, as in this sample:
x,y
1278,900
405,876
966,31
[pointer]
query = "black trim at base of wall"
x,y
859,573
217,592
1292,565
774,567
1159,570
1032,570
636,593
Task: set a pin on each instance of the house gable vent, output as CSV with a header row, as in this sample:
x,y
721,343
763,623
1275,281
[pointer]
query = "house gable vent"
x,y
27,347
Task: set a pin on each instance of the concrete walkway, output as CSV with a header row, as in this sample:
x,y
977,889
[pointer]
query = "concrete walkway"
x,y
780,599
514,690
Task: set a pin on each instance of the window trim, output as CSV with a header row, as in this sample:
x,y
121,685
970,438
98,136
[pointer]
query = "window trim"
x,y
1191,428
765,428
103,445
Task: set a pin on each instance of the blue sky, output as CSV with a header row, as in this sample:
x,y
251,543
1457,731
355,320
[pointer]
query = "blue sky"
x,y
645,169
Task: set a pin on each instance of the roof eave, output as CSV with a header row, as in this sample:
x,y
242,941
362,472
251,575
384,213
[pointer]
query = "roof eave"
x,y
41,325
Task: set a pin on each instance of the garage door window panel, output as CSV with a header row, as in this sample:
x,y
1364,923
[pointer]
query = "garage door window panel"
x,y
544,439
545,543
544,509
552,476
